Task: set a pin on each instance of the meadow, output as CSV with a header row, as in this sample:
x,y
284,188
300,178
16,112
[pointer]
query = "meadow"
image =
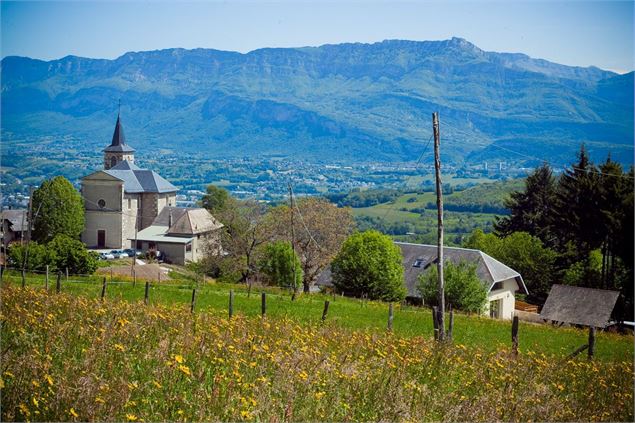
x,y
348,313
68,357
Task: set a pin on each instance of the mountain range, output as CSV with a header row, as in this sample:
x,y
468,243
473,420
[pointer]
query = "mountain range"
x,y
344,102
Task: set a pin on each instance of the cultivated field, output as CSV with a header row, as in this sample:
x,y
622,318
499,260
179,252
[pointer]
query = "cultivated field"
x,y
73,357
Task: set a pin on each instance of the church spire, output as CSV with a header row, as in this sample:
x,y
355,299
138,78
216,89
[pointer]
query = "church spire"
x,y
118,150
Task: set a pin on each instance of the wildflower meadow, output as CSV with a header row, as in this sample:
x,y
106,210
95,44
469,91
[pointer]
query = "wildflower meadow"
x,y
73,358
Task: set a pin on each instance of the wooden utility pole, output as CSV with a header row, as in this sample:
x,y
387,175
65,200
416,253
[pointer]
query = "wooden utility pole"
x,y
439,188
295,286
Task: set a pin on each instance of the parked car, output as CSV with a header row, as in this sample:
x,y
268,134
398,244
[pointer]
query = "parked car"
x,y
119,253
132,252
106,256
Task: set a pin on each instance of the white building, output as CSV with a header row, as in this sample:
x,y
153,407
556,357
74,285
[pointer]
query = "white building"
x,y
500,281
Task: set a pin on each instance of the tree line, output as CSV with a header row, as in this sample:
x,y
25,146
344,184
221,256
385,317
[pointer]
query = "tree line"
x,y
575,228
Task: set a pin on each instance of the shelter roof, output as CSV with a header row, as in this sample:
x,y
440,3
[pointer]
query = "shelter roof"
x,y
579,305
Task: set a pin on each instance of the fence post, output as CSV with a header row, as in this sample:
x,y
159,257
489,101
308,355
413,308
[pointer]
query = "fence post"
x,y
390,316
231,303
134,278
326,310
23,278
591,342
451,323
435,322
193,300
67,274
515,336
147,293
111,273
103,289
58,284
263,304
46,279
1,273
159,278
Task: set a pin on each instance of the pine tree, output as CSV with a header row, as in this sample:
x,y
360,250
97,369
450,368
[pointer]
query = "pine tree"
x,y
531,210
577,209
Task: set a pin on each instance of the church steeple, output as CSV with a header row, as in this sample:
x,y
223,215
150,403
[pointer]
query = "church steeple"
x,y
118,150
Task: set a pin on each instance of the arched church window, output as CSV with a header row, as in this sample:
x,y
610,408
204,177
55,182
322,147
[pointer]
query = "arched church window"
x,y
101,203
113,161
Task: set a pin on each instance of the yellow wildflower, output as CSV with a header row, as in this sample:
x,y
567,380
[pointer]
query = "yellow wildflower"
x,y
131,417
100,400
49,379
185,370
157,384
73,413
35,401
179,359
319,395
119,347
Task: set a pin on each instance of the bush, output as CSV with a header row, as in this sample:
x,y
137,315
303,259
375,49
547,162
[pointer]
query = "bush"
x,y
71,253
277,265
371,264
38,256
463,289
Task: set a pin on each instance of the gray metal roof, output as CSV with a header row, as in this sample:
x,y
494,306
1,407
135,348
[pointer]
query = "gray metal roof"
x,y
580,306
488,269
118,143
138,180
158,234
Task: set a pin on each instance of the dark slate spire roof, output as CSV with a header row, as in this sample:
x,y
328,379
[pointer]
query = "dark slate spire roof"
x,y
118,144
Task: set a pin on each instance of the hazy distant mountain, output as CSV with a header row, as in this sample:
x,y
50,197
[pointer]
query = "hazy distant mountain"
x,y
346,101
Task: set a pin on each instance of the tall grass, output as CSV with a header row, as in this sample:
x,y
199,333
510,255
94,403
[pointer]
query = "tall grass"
x,y
69,357
488,334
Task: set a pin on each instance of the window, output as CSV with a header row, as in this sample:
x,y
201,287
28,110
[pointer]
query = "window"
x,y
418,263
188,247
139,245
113,161
129,203
101,203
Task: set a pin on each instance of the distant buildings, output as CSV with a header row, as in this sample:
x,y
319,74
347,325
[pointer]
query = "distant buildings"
x,y
123,202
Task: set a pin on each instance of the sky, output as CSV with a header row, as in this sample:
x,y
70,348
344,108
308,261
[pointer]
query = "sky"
x,y
574,32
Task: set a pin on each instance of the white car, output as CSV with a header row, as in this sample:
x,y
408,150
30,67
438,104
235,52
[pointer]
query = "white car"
x,y
106,256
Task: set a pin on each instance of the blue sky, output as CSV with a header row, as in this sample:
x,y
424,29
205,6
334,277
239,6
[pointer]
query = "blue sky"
x,y
580,33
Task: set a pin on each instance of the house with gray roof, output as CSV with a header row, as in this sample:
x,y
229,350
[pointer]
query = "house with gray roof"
x,y
180,235
500,281
122,199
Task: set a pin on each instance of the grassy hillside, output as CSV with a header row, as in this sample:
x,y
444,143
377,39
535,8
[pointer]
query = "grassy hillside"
x,y
487,334
464,211
72,358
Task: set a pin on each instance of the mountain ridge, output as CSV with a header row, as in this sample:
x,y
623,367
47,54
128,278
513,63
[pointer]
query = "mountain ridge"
x,y
355,97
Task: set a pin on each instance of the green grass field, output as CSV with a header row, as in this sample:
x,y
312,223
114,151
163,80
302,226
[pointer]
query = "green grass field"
x,y
349,313
69,357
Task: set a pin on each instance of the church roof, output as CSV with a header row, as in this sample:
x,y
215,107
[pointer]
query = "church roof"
x,y
137,180
118,144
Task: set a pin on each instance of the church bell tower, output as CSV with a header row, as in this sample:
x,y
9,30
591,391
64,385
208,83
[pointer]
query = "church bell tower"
x,y
118,150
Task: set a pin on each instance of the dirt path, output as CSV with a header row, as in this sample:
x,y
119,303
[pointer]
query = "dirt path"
x,y
149,272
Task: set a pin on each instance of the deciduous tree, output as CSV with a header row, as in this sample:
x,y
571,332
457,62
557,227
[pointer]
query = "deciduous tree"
x,y
58,209
370,264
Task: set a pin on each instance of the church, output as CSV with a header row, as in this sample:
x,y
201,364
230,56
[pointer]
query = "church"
x,y
129,207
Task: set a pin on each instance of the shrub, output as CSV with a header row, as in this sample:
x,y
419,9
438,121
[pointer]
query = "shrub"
x,y
371,264
463,289
37,259
277,265
71,253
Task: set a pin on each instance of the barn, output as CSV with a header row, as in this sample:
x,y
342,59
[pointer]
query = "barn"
x,y
500,281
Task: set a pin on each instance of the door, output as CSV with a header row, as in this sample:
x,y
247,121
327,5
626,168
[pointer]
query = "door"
x,y
495,309
101,238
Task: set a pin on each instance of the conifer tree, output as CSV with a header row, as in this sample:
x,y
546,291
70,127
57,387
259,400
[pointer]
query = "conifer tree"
x,y
531,210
